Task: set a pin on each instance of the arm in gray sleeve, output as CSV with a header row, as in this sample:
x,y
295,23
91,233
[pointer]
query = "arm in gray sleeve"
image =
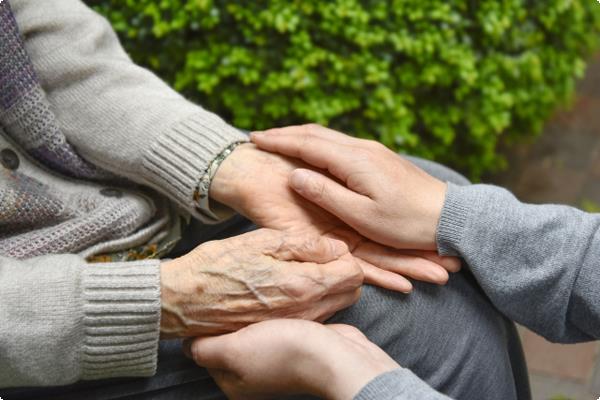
x,y
539,264
62,320
400,384
118,115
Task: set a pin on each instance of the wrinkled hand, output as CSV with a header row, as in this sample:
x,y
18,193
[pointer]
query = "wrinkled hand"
x,y
255,183
225,285
378,193
283,357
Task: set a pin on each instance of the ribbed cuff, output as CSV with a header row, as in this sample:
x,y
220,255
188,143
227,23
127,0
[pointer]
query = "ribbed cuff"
x,y
398,384
181,156
452,221
121,311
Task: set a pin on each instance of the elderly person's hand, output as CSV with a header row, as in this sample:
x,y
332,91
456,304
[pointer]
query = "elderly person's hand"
x,y
282,357
255,183
225,285
381,195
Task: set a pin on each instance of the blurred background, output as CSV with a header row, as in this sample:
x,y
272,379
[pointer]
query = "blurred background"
x,y
506,92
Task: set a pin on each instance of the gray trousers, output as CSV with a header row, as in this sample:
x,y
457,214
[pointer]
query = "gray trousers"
x,y
450,336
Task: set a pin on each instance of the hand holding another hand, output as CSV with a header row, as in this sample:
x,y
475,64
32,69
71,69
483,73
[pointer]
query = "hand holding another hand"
x,y
378,193
256,184
225,285
284,357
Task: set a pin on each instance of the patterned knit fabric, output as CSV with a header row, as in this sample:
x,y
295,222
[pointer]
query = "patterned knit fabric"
x,y
24,111
43,213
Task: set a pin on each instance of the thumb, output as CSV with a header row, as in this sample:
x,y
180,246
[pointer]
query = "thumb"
x,y
211,352
329,195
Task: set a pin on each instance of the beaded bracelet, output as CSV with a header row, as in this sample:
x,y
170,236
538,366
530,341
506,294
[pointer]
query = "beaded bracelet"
x,y
201,194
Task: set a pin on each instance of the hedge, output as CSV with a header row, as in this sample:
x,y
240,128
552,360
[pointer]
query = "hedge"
x,y
442,79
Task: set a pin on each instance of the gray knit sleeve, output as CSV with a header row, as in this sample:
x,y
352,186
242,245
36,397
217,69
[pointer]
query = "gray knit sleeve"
x,y
539,264
119,116
400,384
62,320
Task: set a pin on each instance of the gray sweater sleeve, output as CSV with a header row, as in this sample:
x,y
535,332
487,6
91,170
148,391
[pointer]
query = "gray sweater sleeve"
x,y
118,115
62,320
539,264
400,384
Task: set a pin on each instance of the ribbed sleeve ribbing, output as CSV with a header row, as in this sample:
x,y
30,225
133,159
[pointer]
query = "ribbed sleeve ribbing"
x,y
121,311
180,156
452,221
399,384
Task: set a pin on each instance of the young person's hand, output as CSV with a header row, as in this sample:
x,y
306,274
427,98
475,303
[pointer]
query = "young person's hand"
x,y
255,183
381,195
225,285
284,357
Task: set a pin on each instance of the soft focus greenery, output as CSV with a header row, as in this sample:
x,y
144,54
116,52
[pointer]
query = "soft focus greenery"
x,y
443,79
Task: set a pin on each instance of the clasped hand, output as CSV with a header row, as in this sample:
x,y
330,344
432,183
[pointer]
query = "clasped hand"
x,y
336,210
333,185
256,184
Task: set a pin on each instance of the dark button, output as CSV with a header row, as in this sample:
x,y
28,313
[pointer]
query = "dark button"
x,y
111,192
9,159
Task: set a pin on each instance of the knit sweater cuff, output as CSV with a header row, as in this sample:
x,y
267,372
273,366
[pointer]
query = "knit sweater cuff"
x,y
182,155
453,220
398,384
121,319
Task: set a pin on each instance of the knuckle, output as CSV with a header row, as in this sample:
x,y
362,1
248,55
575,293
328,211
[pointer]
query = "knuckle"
x,y
350,276
376,146
309,245
349,330
312,128
316,189
357,276
304,290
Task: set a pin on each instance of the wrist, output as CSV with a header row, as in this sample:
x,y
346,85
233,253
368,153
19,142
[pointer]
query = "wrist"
x,y
169,324
341,378
348,382
432,212
226,182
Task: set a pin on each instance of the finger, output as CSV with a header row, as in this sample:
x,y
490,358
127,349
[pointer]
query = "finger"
x,y
347,235
332,304
450,264
212,352
308,248
341,276
337,158
311,130
329,195
401,262
385,279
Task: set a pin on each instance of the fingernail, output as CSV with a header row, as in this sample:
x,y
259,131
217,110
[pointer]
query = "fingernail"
x,y
439,275
407,289
299,178
257,134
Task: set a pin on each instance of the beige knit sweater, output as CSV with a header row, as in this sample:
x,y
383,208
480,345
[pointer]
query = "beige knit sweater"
x,y
62,319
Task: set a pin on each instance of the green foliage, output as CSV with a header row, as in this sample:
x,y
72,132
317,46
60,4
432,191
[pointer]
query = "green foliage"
x,y
442,79
589,205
